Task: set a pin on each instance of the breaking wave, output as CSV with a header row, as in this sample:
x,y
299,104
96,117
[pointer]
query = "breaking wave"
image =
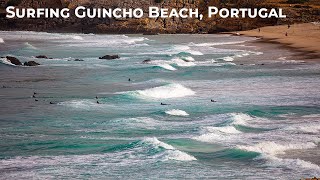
x,y
182,63
170,152
166,66
5,61
30,46
272,148
164,92
177,112
185,49
240,119
80,104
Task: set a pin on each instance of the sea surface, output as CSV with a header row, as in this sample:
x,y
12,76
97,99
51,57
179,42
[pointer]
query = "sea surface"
x,y
263,123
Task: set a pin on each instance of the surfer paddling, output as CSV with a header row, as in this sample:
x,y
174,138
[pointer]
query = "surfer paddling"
x,y
163,104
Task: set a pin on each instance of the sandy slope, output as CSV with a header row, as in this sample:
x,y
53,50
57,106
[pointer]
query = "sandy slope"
x,y
305,36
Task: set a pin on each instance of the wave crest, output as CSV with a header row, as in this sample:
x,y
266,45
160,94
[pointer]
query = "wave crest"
x,y
166,92
272,148
171,153
177,112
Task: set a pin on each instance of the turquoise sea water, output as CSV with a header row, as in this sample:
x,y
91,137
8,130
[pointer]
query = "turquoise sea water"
x,y
263,125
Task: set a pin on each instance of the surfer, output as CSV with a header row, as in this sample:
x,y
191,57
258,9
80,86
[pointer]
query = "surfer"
x,y
163,104
96,97
213,100
36,100
51,103
129,79
98,102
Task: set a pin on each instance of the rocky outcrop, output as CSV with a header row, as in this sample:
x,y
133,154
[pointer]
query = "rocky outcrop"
x,y
31,63
110,57
14,60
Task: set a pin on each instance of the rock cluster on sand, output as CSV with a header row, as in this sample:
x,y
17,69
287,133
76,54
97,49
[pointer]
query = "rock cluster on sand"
x,y
110,57
17,62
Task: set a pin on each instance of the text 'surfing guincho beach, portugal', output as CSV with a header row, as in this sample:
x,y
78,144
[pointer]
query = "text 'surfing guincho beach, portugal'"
x,y
154,89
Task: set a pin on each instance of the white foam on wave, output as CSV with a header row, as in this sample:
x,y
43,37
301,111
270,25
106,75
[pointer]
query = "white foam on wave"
x,y
30,46
215,44
80,104
77,37
312,128
163,64
182,63
214,63
166,92
177,112
6,61
184,48
1,40
167,67
291,163
272,148
216,134
228,59
240,118
171,152
138,122
225,129
188,59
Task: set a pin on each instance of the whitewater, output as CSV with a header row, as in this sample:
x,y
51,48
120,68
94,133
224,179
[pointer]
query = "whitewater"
x,y
171,107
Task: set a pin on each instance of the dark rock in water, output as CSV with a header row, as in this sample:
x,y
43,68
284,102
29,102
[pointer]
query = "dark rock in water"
x,y
31,63
147,61
14,60
109,57
42,57
78,60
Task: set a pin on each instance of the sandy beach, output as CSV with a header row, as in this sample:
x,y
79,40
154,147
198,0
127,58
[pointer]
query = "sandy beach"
x,y
305,37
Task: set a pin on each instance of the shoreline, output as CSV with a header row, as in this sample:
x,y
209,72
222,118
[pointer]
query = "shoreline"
x,y
304,38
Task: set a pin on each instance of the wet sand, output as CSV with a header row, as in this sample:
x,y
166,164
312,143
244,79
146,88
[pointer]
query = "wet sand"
x,y
303,37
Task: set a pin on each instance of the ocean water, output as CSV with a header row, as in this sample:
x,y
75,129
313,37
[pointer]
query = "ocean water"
x,y
265,123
